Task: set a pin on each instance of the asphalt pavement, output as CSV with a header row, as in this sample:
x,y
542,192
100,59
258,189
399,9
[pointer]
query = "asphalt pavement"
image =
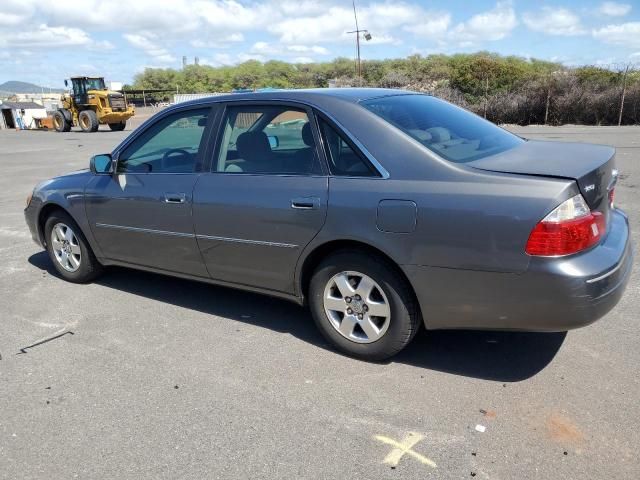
x,y
145,376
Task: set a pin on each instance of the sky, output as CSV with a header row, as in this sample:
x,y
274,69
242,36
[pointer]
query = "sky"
x,y
44,42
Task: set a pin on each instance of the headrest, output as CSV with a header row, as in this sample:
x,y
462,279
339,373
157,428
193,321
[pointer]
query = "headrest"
x,y
439,134
307,135
233,168
253,145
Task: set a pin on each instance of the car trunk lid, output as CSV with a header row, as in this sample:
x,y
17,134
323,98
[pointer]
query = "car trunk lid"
x,y
591,166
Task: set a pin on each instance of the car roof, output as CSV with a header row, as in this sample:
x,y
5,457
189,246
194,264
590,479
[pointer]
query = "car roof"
x,y
311,95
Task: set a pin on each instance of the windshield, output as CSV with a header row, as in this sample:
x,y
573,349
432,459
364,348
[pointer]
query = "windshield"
x,y
449,131
95,84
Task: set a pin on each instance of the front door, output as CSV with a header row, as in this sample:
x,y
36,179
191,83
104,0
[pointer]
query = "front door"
x,y
142,214
265,199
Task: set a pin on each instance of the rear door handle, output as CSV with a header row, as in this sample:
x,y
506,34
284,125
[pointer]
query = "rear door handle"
x,y
175,197
305,203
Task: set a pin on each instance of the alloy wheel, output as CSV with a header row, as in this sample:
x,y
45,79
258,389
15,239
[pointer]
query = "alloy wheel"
x,y
66,247
357,307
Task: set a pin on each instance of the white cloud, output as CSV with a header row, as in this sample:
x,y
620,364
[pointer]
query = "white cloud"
x,y
433,25
492,25
327,27
148,15
147,42
554,21
14,12
102,45
290,52
383,20
219,59
625,34
218,42
614,9
231,15
308,49
45,36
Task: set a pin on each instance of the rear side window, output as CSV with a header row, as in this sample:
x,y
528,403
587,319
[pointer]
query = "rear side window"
x,y
344,159
449,131
267,139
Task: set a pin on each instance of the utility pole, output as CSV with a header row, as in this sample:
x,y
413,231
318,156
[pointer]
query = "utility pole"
x,y
624,91
367,36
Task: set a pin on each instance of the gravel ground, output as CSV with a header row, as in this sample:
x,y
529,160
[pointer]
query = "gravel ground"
x,y
155,377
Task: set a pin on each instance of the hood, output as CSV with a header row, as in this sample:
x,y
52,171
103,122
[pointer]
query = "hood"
x,y
591,166
74,176
75,173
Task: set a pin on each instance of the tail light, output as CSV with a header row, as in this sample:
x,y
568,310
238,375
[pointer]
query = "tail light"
x,y
570,228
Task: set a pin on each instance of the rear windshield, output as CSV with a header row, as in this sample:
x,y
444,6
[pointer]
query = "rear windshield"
x,y
449,131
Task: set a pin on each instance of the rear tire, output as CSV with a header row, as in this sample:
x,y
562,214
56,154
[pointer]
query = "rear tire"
x,y
384,314
69,250
118,127
88,121
61,121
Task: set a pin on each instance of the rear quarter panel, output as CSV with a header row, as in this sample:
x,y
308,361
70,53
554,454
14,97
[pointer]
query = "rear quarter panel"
x,y
476,221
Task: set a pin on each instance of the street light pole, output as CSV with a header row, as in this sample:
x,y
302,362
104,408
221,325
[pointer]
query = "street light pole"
x,y
359,65
367,36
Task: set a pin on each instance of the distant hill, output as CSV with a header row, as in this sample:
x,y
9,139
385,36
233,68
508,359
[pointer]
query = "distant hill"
x,y
14,86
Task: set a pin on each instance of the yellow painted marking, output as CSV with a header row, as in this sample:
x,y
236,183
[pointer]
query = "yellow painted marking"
x,y
402,448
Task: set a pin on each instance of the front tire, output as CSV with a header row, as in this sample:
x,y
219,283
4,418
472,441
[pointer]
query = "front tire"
x,y
61,121
69,250
363,305
88,121
118,127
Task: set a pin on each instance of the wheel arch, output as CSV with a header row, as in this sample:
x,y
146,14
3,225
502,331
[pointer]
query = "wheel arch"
x,y
45,212
320,252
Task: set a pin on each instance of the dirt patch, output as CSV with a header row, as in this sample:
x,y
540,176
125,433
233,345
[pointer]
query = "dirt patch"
x,y
562,430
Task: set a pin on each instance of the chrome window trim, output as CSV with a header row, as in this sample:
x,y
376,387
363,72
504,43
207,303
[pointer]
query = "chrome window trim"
x,y
381,170
153,119
211,101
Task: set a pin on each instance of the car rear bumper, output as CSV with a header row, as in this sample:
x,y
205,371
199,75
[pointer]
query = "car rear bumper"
x,y
554,294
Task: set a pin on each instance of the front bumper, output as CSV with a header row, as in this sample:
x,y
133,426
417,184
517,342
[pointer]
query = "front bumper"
x,y
31,218
554,294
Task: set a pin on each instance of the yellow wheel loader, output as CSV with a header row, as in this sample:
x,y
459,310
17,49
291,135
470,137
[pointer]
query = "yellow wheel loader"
x,y
90,104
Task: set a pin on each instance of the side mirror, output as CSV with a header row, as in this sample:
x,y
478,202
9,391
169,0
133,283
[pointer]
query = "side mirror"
x,y
101,164
273,141
66,84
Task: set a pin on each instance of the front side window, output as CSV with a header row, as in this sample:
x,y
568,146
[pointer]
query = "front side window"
x,y
449,131
267,140
172,145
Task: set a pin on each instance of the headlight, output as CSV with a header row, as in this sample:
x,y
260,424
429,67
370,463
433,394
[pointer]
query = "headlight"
x,y
29,197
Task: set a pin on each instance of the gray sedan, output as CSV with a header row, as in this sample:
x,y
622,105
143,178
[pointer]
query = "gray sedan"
x,y
382,210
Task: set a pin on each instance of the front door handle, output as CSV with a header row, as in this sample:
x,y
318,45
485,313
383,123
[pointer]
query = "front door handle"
x,y
305,203
175,197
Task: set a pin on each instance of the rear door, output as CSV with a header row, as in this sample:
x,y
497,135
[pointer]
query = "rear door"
x,y
265,197
142,213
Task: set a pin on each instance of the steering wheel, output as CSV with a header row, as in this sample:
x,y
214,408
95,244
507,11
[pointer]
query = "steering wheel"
x,y
174,151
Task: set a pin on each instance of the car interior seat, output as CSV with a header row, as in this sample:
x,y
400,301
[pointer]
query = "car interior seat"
x,y
254,149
